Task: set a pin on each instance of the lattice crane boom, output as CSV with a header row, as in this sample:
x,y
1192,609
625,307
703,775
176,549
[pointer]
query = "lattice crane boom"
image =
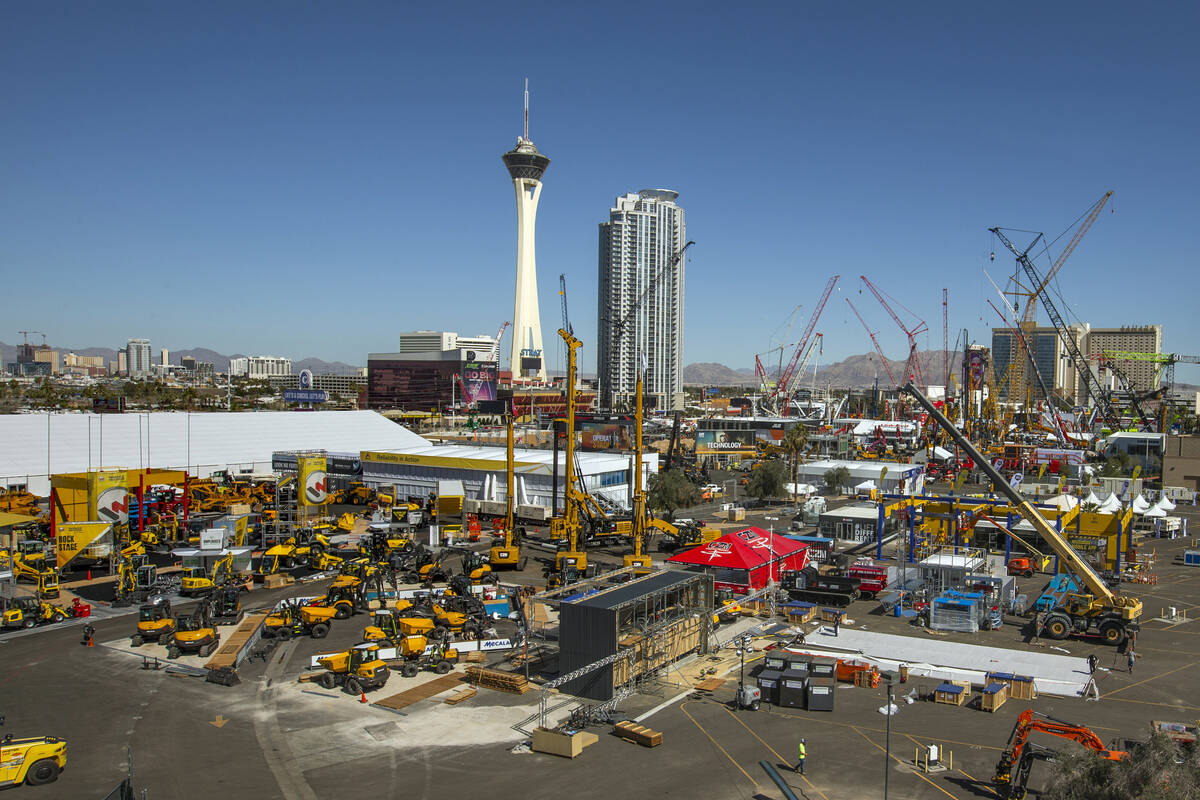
x,y
1031,303
562,293
785,378
886,366
1088,379
912,366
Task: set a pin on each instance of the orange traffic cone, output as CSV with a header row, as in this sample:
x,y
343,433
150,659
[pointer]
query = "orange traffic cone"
x,y
89,574
363,698
91,642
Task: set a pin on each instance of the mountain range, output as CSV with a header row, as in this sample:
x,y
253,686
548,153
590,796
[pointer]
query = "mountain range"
x,y
852,372
8,352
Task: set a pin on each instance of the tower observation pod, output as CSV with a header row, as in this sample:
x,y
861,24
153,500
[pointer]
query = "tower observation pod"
x,y
526,167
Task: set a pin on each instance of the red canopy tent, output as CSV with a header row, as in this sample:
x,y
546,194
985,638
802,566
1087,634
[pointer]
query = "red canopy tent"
x,y
745,560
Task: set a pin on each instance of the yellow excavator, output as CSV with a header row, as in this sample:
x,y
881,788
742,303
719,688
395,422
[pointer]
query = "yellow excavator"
x,y
35,760
356,670
155,623
194,633
197,580
508,554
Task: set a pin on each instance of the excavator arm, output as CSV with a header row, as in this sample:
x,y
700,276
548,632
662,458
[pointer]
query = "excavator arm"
x,y
1011,773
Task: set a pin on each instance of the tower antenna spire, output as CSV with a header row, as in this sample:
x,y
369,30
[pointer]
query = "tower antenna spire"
x,y
526,109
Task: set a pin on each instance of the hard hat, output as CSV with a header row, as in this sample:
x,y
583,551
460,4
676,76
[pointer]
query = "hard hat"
x,y
801,741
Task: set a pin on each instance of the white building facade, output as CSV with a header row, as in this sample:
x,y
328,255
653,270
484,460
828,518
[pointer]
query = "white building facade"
x,y
260,366
640,299
137,358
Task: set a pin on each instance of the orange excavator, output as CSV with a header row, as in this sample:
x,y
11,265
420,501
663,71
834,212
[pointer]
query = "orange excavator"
x,y
1012,772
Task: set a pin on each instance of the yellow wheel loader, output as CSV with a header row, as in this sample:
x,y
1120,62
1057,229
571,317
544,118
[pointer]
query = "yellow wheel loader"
x,y
356,670
36,760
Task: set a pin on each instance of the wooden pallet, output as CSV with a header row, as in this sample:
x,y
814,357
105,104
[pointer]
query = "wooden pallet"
x,y
460,695
226,655
638,734
499,680
423,692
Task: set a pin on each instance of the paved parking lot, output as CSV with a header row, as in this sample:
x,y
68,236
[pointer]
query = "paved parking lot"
x,y
270,737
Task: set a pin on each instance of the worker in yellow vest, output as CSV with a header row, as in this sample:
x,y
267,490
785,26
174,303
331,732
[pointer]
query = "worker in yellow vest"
x,y
802,753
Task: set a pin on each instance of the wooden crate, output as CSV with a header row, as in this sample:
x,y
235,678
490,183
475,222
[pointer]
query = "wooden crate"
x,y
954,694
1022,688
994,695
638,734
800,612
832,615
567,745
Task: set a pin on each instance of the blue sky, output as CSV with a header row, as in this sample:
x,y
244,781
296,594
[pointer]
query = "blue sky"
x,y
312,179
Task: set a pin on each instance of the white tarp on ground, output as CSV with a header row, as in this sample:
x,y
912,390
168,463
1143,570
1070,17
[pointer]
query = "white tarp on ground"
x,y
205,442
929,657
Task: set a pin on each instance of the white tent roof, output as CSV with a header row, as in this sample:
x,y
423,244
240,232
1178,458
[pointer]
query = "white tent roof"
x,y
1154,512
1140,505
799,488
1111,504
1065,502
1091,499
866,486
34,444
1165,503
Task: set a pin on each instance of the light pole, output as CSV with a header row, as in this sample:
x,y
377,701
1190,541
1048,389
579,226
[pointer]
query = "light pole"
x,y
890,676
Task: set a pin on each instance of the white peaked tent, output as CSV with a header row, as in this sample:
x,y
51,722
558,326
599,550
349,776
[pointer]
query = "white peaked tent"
x,y
1111,505
1165,503
1139,505
1091,499
1065,502
1155,511
866,486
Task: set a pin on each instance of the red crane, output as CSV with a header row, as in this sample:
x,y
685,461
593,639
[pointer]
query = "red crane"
x,y
783,387
886,366
912,367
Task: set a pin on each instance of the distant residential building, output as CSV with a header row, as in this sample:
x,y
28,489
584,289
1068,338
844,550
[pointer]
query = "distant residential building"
x,y
72,360
444,341
348,385
48,355
188,363
205,369
641,284
122,362
166,357
259,367
137,358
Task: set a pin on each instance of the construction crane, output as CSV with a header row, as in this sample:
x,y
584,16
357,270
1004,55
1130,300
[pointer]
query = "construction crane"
x,y
1024,347
912,366
567,527
886,365
783,386
1098,610
1087,378
1028,316
946,339
508,554
638,559
562,293
1145,420
1166,362
652,283
1012,771
495,354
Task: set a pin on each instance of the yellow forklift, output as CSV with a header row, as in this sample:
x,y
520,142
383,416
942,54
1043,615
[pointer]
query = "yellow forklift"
x,y
508,554
36,760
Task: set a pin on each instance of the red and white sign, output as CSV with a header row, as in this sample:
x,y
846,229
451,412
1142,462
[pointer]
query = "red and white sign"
x,y
112,505
315,487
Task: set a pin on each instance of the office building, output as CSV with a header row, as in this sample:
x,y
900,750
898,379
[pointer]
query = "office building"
x,y
137,358
259,367
1055,367
640,303
526,167
443,341
48,355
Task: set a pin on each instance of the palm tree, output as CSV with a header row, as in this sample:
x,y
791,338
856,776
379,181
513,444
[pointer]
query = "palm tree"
x,y
794,443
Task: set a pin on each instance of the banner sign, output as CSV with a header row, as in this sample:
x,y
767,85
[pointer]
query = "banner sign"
x,y
72,537
312,480
305,396
108,498
713,442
